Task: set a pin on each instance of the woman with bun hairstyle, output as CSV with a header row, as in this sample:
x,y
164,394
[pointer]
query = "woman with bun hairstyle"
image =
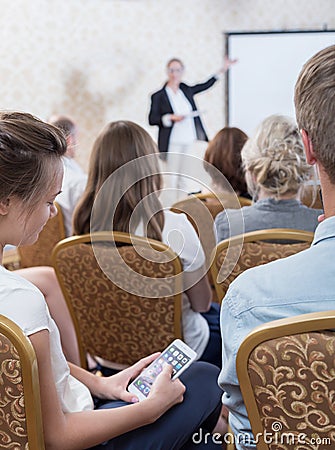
x,y
276,170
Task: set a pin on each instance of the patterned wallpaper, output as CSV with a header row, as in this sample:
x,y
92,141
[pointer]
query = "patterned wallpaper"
x,y
99,60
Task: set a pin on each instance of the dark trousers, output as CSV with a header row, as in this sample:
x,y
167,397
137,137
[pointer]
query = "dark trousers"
x,y
174,430
213,352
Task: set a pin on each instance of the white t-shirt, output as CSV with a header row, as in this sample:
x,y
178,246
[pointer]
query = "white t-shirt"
x,y
179,234
24,304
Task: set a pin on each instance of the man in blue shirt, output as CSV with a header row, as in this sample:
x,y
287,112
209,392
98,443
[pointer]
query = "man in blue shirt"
x,y
302,283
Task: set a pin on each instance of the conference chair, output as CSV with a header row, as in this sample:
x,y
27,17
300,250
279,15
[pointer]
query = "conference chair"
x,y
286,375
233,256
310,196
20,403
216,202
123,293
11,258
200,210
39,253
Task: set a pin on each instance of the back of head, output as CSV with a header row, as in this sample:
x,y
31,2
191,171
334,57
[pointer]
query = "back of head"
x,y
64,123
124,171
29,149
68,127
315,106
274,158
224,153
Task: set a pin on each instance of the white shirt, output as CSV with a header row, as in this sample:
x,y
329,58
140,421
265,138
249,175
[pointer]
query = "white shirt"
x,y
179,234
25,305
183,132
74,183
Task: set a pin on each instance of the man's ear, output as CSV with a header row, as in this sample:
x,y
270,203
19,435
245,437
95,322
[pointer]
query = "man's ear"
x,y
4,207
309,151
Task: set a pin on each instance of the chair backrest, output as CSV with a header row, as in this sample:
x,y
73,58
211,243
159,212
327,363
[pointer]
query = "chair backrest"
x,y
39,253
201,210
310,196
20,403
123,293
233,256
286,374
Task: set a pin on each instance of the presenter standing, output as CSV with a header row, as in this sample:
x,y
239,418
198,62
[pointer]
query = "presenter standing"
x,y
174,111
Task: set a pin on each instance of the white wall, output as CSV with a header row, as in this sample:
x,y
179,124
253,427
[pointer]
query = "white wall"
x,y
98,60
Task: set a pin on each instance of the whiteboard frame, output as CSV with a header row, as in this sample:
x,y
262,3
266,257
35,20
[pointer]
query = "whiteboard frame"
x,y
228,77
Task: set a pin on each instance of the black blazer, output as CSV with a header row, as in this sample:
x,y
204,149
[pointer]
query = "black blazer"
x,y
160,105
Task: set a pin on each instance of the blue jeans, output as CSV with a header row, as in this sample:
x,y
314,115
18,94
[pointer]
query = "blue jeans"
x,y
213,351
174,430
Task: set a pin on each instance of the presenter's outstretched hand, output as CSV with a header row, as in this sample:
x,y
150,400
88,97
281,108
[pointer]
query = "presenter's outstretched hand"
x,y
227,64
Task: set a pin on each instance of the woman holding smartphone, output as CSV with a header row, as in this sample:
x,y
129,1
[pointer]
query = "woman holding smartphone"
x,y
31,151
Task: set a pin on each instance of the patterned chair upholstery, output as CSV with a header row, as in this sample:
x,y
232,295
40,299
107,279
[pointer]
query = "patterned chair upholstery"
x,y
239,253
20,404
201,210
123,292
287,378
39,253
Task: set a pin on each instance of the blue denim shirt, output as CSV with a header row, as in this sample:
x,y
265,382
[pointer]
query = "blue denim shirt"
x,y
299,284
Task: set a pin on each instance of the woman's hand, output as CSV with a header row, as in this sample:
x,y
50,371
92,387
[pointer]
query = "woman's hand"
x,y
176,117
115,387
227,64
165,391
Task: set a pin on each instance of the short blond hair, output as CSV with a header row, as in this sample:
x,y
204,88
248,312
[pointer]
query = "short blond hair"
x,y
274,157
315,106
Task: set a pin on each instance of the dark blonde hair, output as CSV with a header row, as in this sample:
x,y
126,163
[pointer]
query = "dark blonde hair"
x,y
274,157
314,100
118,144
29,149
224,153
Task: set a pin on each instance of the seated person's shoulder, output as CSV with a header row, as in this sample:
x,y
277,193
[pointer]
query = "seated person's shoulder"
x,y
22,302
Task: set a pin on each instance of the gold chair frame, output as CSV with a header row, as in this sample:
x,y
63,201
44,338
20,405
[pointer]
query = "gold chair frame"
x,y
30,382
259,236
242,200
127,239
305,323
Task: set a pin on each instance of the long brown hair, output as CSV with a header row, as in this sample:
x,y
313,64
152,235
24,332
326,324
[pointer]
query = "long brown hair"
x,y
119,191
29,150
224,153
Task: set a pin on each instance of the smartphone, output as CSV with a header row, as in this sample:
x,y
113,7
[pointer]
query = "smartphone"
x,y
178,354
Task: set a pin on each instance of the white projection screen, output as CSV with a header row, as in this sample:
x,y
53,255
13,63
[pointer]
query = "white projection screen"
x,y
262,82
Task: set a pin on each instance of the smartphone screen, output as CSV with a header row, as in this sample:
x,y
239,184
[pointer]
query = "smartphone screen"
x,y
176,355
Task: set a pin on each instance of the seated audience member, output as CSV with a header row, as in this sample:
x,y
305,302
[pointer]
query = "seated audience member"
x,y
138,210
303,283
74,180
224,154
44,278
276,170
31,173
